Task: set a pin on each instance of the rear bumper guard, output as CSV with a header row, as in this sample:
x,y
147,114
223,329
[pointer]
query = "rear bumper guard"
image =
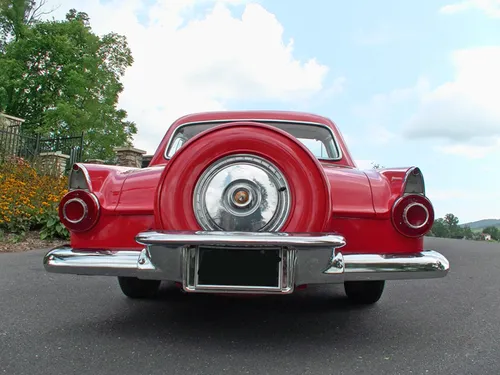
x,y
306,258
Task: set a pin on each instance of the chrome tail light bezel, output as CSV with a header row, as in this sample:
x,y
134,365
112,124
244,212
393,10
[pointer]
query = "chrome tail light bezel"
x,y
91,208
400,219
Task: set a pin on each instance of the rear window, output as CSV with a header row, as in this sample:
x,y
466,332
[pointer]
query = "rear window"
x,y
319,139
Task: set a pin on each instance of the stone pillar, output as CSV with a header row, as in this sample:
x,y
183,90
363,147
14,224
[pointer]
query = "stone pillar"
x,y
146,159
129,156
53,163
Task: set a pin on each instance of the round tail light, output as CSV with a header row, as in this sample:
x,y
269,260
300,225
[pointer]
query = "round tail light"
x,y
75,210
79,210
413,215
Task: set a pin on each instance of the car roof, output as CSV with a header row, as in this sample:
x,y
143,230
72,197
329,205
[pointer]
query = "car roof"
x,y
253,115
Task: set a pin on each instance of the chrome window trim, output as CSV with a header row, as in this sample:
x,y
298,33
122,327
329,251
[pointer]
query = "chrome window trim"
x,y
219,122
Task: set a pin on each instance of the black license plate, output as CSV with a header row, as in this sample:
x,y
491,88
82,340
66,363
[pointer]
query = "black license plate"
x,y
239,267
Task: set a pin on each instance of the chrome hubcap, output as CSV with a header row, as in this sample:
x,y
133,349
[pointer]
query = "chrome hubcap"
x,y
242,193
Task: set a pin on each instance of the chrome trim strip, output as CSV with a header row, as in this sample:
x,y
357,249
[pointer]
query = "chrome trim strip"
x,y
86,175
222,121
425,265
221,238
408,174
91,262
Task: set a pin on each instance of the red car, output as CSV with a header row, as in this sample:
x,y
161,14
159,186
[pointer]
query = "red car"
x,y
260,202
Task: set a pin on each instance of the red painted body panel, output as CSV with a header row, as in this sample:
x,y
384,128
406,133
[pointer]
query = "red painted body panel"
x,y
106,184
351,192
373,236
386,188
113,232
360,202
138,192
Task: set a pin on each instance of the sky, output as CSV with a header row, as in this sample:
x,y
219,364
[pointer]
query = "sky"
x,y
408,83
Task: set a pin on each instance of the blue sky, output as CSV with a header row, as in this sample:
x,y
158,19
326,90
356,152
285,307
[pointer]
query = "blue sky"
x,y
408,83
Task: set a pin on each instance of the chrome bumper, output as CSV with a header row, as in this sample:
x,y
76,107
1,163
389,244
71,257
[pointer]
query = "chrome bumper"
x,y
306,258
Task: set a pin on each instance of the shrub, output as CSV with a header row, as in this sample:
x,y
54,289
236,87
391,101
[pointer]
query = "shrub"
x,y
29,199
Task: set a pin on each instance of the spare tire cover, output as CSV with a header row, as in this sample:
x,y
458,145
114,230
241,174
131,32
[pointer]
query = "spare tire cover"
x,y
308,187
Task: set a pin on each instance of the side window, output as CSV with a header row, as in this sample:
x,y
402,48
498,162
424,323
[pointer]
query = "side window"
x,y
316,147
176,144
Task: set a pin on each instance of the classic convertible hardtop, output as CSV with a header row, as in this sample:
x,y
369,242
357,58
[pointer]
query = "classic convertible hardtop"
x,y
292,121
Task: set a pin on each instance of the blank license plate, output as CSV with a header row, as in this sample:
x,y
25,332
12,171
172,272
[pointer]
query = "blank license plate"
x,y
239,267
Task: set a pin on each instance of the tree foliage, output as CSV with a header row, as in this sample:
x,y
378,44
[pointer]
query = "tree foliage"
x,y
16,15
62,78
448,227
494,232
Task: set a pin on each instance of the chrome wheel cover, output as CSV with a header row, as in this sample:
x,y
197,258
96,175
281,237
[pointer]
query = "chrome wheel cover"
x,y
242,193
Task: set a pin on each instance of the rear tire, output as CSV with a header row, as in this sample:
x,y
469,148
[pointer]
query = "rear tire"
x,y
136,288
364,292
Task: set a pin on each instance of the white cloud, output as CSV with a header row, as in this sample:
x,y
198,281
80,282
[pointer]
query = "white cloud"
x,y
464,111
490,7
381,105
377,112
447,194
187,64
472,151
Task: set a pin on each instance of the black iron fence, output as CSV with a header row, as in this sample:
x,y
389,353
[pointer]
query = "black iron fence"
x,y
30,147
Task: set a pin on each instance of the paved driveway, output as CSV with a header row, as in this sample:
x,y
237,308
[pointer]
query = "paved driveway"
x,y
63,324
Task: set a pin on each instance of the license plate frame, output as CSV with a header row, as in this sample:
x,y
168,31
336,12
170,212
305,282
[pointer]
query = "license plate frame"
x,y
285,271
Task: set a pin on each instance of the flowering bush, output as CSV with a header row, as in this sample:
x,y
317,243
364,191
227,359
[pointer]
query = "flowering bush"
x,y
29,199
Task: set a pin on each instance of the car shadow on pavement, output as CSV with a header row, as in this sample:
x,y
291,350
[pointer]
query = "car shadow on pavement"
x,y
321,314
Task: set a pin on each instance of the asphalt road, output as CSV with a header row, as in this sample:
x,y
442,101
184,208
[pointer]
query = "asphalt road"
x,y
63,324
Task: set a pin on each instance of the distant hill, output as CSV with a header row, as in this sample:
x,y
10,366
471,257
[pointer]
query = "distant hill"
x,y
480,224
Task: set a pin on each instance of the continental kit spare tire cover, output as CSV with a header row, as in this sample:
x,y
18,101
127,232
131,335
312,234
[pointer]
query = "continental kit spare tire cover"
x,y
243,176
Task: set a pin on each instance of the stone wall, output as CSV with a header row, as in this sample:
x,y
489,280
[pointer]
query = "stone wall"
x,y
53,163
146,159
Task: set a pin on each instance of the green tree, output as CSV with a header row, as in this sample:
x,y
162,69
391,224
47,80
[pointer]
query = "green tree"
x,y
440,228
454,230
468,233
16,15
451,220
65,80
494,232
